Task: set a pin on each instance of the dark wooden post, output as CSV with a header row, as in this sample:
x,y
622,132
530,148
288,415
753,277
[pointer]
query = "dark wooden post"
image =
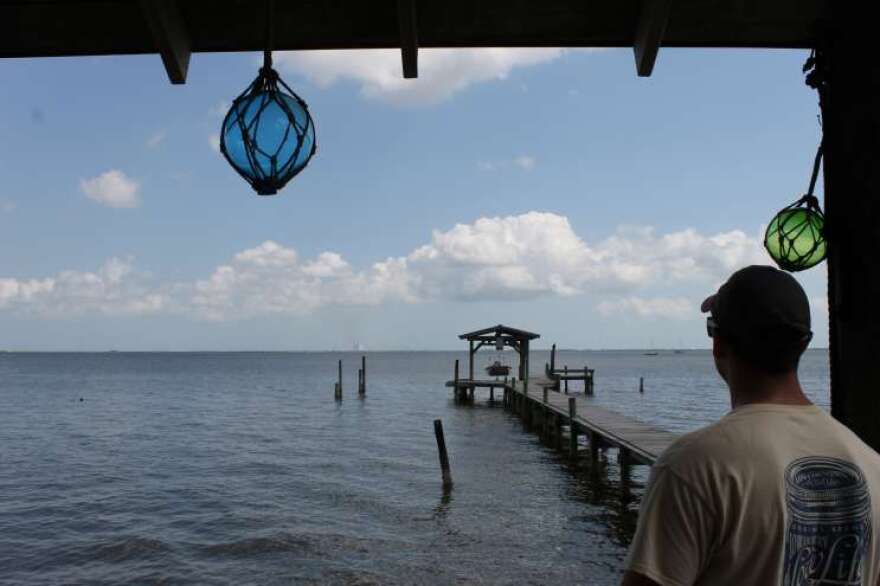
x,y
552,358
572,436
641,384
340,375
545,419
444,457
566,380
851,122
471,362
557,430
594,447
363,388
624,460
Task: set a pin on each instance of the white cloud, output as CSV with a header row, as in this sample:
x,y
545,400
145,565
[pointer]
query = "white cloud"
x,y
114,289
662,307
112,188
219,109
539,253
214,141
522,162
156,139
525,162
442,72
502,258
515,257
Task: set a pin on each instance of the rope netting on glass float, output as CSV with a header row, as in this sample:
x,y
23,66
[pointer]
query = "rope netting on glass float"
x,y
268,135
795,237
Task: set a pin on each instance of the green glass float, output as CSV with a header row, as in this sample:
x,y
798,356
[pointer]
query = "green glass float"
x,y
795,238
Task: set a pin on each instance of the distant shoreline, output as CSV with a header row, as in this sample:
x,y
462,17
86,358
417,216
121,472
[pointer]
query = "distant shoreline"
x,y
659,351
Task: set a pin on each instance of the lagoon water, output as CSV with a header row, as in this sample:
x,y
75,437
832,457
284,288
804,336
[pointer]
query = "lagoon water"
x,y
239,468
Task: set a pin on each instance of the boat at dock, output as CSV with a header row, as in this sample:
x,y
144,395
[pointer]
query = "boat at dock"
x,y
498,369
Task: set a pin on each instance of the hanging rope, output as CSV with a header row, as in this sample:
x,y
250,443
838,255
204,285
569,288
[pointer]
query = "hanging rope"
x,y
270,34
268,136
795,237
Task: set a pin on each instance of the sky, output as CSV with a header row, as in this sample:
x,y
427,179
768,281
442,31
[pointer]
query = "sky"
x,y
547,189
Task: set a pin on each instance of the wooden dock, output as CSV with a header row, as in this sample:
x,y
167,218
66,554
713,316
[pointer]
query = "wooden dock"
x,y
566,419
562,418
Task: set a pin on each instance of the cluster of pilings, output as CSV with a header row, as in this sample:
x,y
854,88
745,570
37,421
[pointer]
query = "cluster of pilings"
x,y
563,375
361,384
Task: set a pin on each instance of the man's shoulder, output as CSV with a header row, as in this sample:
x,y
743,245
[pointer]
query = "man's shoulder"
x,y
759,436
696,445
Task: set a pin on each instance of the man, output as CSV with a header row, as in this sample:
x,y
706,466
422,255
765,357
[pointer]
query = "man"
x,y
776,492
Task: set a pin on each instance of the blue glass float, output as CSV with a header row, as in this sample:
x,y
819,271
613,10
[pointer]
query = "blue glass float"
x,y
268,135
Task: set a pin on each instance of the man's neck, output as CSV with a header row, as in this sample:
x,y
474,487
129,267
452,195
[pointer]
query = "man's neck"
x,y
754,387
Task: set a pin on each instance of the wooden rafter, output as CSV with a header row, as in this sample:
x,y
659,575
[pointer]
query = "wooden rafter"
x,y
409,39
169,33
649,34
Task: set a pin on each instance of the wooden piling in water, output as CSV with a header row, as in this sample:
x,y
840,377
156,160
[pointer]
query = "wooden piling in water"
x,y
641,384
444,457
362,386
337,392
566,380
557,431
553,358
340,376
572,435
545,417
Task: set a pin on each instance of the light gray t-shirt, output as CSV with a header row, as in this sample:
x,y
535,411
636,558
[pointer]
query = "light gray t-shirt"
x,y
768,495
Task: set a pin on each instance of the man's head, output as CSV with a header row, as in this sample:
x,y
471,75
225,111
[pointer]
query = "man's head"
x,y
760,318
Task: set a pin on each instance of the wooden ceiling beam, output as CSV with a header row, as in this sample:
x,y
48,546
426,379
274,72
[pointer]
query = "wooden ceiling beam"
x,y
649,34
409,39
170,35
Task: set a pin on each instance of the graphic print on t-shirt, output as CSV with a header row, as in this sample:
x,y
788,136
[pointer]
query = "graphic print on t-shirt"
x,y
829,522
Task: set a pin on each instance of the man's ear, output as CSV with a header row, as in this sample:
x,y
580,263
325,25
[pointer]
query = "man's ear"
x,y
720,349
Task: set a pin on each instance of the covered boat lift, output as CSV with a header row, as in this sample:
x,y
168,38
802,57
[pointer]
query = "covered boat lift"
x,y
843,34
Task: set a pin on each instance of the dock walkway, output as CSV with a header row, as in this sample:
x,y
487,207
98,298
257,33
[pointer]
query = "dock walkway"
x,y
566,416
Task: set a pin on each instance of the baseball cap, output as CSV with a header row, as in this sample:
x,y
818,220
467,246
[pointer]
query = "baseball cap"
x,y
761,306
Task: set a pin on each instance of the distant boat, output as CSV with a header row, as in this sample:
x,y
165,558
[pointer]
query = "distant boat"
x,y
651,353
497,369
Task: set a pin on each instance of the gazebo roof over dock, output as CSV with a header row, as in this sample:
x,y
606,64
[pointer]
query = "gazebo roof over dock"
x,y
490,334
